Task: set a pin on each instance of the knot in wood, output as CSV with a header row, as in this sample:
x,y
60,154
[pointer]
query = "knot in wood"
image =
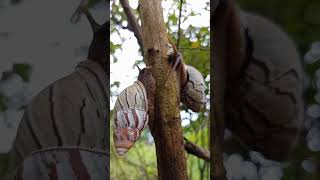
x,y
152,51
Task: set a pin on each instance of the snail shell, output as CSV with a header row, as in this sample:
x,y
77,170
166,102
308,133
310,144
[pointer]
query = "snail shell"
x,y
266,109
192,94
63,163
131,116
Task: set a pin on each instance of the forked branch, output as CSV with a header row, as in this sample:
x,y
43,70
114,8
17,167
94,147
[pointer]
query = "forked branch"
x,y
132,22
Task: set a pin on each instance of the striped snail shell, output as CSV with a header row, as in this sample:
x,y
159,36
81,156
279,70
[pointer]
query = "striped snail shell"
x,y
192,94
131,116
63,163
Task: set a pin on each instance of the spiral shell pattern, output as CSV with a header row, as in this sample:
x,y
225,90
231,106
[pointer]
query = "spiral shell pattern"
x,y
193,92
131,117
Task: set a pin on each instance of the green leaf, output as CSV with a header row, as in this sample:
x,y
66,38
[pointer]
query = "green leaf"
x,y
116,83
3,104
23,69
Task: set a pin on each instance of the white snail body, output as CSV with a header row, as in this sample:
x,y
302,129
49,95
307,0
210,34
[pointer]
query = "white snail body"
x,y
193,92
131,116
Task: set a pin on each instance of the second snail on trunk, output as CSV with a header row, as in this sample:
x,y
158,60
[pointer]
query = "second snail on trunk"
x,y
193,92
190,80
263,99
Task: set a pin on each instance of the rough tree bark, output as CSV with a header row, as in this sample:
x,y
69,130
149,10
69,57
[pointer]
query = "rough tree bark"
x,y
227,64
218,72
167,122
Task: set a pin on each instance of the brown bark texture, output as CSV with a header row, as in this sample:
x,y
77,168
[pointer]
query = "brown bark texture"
x,y
218,71
167,133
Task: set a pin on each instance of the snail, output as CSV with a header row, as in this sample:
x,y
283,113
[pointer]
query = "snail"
x,y
63,163
131,116
193,92
263,100
190,80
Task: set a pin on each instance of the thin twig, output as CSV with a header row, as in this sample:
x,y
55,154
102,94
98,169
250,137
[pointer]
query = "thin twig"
x,y
179,28
200,49
76,16
133,23
192,148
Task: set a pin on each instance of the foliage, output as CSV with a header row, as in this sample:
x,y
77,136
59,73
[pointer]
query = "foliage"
x,y
23,70
3,106
140,161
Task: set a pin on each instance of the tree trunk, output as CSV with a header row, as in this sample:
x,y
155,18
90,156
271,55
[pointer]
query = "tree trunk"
x,y
167,122
218,80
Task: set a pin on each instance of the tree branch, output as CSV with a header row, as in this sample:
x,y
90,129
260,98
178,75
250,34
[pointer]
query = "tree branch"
x,y
218,56
168,136
195,49
179,25
75,17
192,148
118,22
132,23
94,25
